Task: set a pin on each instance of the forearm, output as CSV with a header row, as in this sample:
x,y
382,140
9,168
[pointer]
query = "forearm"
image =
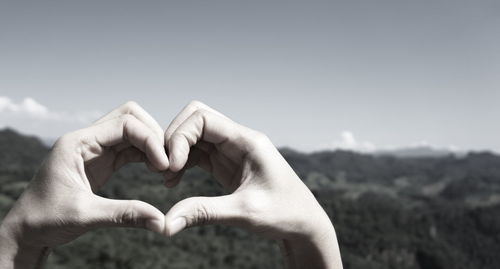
x,y
16,255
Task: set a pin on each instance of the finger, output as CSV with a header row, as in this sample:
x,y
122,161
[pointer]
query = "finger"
x,y
124,213
184,114
196,158
203,210
137,111
232,138
215,163
151,167
124,128
132,155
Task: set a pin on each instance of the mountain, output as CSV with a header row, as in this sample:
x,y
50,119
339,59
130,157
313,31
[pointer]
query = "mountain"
x,y
417,152
422,212
19,149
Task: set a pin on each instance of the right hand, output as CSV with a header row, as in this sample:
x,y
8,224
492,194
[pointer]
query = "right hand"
x,y
265,194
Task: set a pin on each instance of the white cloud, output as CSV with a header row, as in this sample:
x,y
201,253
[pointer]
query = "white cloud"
x,y
427,144
30,108
349,142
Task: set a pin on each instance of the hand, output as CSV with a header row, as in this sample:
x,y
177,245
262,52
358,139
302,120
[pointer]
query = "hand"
x,y
59,204
266,196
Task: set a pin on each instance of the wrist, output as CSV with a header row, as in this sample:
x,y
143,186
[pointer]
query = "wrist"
x,y
315,247
318,232
320,251
14,253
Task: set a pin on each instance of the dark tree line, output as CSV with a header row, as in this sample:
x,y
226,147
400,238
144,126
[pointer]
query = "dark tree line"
x,y
389,212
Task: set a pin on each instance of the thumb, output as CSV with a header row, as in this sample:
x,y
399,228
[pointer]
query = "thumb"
x,y
126,213
196,211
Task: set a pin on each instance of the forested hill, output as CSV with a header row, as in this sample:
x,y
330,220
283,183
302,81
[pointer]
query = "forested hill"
x,y
435,212
472,180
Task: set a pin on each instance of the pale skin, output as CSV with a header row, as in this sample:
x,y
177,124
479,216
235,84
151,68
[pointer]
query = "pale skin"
x,y
264,193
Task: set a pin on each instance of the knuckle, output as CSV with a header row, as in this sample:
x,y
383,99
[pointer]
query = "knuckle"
x,y
62,141
128,217
65,140
259,140
195,104
203,117
71,142
201,215
200,113
179,137
126,117
130,106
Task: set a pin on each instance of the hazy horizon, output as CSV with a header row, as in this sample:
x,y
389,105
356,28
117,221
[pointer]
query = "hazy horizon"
x,y
361,75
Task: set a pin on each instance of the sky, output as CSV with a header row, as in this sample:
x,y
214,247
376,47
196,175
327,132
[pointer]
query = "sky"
x,y
355,74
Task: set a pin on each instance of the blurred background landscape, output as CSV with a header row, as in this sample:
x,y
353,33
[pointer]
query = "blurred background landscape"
x,y
417,211
387,109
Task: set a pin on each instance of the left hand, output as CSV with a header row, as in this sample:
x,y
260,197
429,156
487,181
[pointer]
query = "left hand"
x,y
59,204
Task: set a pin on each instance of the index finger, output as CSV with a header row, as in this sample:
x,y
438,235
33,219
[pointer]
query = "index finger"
x,y
137,111
187,111
124,128
232,139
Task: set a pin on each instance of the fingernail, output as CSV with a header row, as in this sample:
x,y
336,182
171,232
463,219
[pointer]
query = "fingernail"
x,y
155,225
176,226
166,161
